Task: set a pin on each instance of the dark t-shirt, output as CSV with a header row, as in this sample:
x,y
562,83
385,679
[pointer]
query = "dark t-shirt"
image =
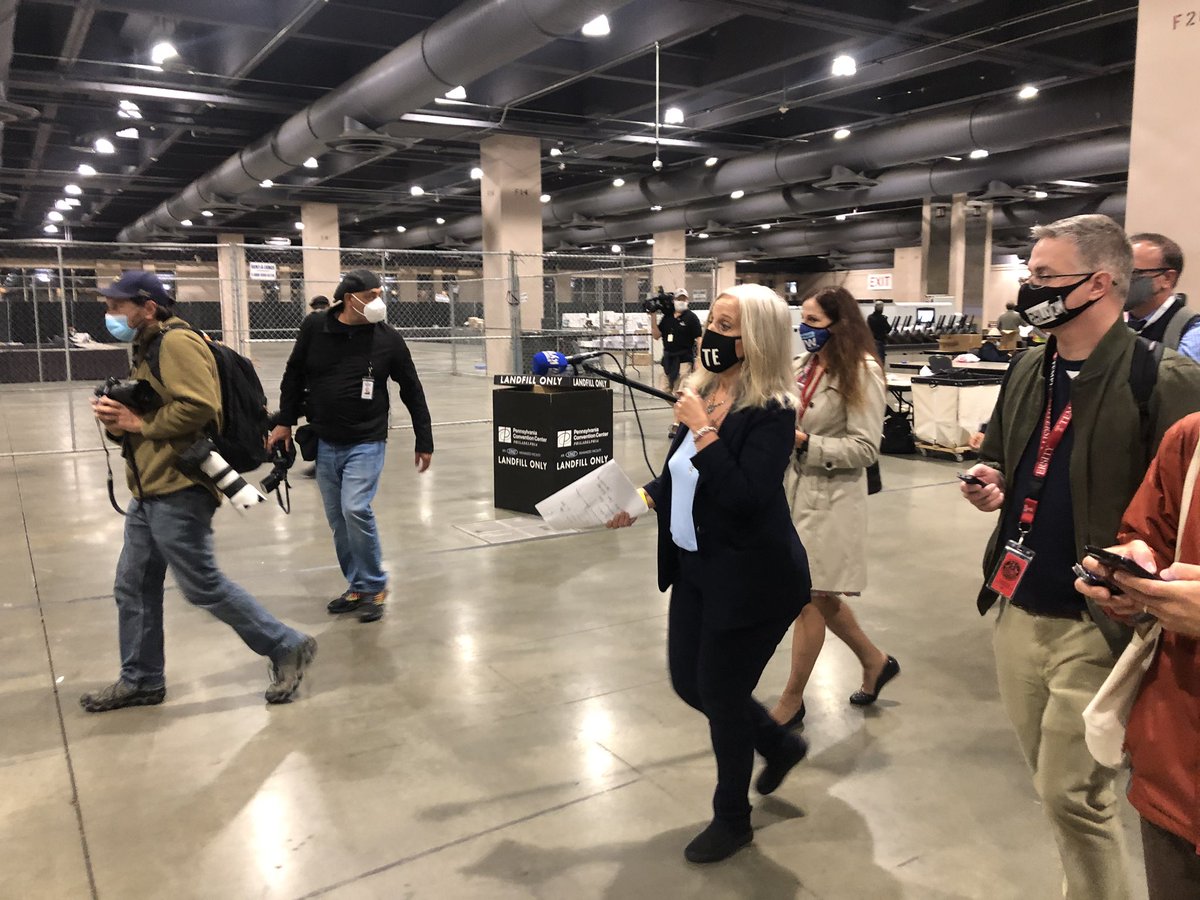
x,y
679,334
1048,585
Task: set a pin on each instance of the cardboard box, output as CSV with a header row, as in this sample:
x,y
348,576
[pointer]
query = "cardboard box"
x,y
959,343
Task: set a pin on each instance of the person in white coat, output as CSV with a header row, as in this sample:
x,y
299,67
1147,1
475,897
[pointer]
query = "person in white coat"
x,y
838,428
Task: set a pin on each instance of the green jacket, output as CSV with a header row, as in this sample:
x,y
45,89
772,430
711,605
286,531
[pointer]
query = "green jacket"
x,y
191,396
1110,456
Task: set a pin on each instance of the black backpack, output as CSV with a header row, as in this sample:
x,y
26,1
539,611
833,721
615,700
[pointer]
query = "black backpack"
x,y
243,435
897,434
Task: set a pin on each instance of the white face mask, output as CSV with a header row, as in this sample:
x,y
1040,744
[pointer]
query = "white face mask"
x,y
681,306
375,310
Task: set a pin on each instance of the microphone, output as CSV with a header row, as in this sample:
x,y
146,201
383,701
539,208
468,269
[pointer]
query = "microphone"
x,y
551,362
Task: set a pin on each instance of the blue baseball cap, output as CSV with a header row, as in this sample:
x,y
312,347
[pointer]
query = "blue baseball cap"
x,y
139,286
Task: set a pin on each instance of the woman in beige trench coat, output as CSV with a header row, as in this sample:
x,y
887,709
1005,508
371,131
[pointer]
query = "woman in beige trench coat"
x,y
837,437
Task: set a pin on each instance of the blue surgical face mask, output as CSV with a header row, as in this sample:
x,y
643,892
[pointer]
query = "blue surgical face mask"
x,y
814,338
119,327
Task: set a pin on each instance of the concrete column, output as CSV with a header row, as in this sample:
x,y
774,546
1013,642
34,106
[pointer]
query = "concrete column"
x,y
726,276
233,282
322,267
970,253
667,268
512,223
1162,168
935,248
907,274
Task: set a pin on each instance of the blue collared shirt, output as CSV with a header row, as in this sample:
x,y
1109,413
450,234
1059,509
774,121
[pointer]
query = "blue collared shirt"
x,y
683,494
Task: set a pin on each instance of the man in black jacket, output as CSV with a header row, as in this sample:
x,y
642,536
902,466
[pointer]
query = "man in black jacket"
x,y
880,329
342,360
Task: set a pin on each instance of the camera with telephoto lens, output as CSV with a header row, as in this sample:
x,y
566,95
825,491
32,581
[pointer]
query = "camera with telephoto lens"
x,y
201,460
661,303
138,395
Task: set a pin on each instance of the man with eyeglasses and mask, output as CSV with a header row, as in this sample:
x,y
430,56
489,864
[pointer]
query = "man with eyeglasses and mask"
x,y
1154,310
1073,431
342,359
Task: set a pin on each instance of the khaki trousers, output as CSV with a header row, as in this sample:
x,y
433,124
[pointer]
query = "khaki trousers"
x,y
1049,670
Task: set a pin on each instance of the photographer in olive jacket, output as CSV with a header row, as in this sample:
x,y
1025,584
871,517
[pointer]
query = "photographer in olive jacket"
x,y
1071,437
169,519
339,370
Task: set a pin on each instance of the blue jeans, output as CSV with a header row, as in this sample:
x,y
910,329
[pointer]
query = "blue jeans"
x,y
176,530
348,476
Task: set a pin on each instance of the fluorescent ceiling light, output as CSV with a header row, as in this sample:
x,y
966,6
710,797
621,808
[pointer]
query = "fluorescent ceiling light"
x,y
618,181
62,205
162,51
438,119
104,146
417,191
1075,184
51,229
299,226
311,163
673,116
660,142
207,213
476,173
54,216
545,198
128,134
440,220
266,183
43,277
86,170
400,229
765,227
841,217
598,27
737,195
844,66
1040,195
650,241
841,134
73,189
955,158
979,153
656,208
72,202
458,93
712,161
555,151
186,223
1028,92
702,235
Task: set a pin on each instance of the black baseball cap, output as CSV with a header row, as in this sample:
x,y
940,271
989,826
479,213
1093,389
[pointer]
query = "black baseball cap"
x,y
139,286
355,282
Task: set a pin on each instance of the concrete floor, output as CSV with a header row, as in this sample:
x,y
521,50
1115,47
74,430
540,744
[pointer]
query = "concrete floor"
x,y
507,731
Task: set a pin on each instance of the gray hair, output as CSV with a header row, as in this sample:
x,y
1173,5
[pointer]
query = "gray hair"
x,y
1102,246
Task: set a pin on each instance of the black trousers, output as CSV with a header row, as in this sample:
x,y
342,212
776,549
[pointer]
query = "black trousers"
x,y
1172,864
716,672
671,363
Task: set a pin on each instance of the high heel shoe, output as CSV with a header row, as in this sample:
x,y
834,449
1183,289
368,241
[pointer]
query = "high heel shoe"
x,y
890,670
797,720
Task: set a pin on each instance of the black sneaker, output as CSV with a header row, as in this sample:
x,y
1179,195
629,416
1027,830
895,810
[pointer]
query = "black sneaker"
x,y
718,841
347,602
121,694
287,674
372,606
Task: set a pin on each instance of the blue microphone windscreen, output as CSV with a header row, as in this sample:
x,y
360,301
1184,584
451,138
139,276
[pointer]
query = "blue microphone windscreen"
x,y
546,360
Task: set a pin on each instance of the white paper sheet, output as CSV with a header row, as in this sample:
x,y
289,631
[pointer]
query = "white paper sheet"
x,y
592,500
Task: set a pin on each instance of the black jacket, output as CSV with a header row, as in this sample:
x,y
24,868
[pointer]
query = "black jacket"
x,y
755,567
879,325
325,375
685,329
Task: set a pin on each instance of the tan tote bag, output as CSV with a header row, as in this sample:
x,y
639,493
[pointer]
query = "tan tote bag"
x,y
1106,716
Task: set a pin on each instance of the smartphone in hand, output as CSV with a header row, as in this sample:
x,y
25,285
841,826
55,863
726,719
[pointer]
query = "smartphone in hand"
x,y
971,479
1116,561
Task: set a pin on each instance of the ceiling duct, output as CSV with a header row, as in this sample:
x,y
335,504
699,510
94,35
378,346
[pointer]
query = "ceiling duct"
x,y
420,70
358,139
843,179
1001,192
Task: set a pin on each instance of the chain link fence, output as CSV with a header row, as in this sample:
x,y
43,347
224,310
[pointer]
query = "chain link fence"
x,y
462,313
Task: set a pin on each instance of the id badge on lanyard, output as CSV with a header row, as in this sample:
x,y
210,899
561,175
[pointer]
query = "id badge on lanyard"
x,y
368,383
1017,557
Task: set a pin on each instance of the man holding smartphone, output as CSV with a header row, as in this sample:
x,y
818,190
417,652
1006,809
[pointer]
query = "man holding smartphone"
x,y
1069,441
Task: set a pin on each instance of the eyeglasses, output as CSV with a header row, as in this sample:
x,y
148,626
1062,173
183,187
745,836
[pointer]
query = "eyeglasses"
x,y
1040,280
1159,270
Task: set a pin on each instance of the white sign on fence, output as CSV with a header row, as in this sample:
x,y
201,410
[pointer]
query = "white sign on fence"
x,y
879,282
700,296
263,271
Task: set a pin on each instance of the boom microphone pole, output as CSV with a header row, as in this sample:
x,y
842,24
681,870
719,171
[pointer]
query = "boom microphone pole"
x,y
628,382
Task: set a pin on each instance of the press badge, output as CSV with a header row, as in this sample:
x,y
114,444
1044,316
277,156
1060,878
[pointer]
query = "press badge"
x,y
368,388
671,338
1013,566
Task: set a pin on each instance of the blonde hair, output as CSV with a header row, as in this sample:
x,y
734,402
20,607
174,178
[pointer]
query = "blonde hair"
x,y
766,375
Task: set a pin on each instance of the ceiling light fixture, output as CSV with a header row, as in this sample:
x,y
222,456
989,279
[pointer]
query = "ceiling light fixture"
x,y
841,217
207,213
618,181
765,227
844,66
50,229
186,223
130,134
979,153
266,183
73,189
458,93
1028,92
841,134
400,229
311,163
555,151
616,248
440,220
85,170
476,173
62,205
656,208
673,116
1040,195
162,51
104,146
737,195
545,198
712,161
72,202
1075,184
702,235
299,226
54,216
650,241
598,27
417,191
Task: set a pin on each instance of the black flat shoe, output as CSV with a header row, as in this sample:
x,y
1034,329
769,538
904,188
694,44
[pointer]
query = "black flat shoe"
x,y
777,769
717,842
890,670
797,720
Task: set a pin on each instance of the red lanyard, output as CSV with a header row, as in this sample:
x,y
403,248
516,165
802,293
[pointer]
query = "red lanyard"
x,y
1052,436
808,387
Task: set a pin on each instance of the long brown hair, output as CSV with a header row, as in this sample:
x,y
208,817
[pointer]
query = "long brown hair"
x,y
850,342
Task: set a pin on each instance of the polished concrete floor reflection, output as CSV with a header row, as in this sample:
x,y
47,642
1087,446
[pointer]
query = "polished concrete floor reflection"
x,y
507,731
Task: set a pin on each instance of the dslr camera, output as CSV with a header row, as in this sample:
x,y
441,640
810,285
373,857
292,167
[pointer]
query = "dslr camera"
x,y
203,460
137,394
281,459
661,303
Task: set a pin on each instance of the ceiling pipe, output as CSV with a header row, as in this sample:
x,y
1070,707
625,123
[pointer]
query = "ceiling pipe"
x,y
417,72
998,124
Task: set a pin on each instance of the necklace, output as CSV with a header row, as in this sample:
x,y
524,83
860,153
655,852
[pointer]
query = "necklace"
x,y
709,407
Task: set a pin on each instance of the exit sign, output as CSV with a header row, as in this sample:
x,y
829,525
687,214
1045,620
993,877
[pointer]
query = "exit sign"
x,y
879,282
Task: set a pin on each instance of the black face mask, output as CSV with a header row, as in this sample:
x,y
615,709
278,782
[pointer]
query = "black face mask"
x,y
1046,307
718,352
